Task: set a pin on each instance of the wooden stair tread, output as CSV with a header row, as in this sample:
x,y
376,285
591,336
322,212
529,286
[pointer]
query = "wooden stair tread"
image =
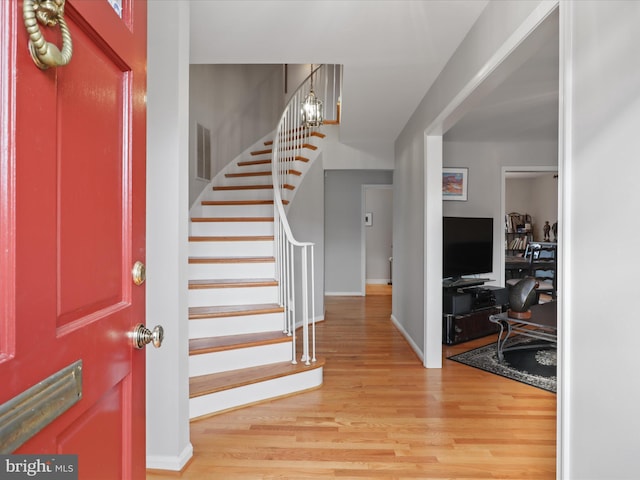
x,y
200,346
231,219
201,260
259,174
243,187
248,163
235,202
217,382
217,311
232,238
250,187
232,283
312,134
261,152
248,174
270,150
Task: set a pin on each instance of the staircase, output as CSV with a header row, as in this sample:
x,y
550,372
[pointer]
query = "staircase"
x,y
242,348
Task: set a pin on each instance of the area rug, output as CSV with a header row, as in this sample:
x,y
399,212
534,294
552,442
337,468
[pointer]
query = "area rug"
x,y
534,366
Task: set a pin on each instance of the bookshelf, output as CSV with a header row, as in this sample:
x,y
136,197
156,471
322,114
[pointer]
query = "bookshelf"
x,y
518,232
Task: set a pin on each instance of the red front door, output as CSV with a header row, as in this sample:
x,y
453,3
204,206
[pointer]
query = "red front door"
x,y
72,218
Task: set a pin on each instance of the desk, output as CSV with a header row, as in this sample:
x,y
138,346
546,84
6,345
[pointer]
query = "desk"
x,y
516,267
543,325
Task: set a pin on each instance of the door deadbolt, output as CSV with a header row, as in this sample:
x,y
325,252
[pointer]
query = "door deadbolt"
x,y
138,273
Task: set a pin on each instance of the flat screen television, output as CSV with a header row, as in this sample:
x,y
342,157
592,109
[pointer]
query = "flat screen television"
x,y
467,244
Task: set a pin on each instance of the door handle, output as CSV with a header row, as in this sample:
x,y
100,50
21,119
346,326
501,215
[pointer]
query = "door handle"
x,y
142,336
49,13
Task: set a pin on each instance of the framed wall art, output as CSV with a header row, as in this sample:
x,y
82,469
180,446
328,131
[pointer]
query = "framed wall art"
x,y
454,183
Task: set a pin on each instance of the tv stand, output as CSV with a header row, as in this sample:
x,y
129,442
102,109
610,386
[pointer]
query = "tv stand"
x,y
467,306
463,282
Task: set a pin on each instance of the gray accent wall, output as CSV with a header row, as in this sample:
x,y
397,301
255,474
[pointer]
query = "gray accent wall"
x,y
239,104
343,233
378,201
306,218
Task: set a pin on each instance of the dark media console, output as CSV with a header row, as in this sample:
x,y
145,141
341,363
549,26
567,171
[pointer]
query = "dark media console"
x,y
466,311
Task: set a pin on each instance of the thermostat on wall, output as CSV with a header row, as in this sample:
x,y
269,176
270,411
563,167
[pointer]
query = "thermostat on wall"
x,y
368,219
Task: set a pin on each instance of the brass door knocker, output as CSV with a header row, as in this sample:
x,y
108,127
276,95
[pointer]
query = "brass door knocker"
x,y
49,13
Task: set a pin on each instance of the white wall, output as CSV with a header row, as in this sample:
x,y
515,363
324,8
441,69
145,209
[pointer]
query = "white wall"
x,y
238,103
599,383
168,445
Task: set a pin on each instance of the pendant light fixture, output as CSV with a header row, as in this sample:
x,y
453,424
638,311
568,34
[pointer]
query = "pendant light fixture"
x,y
312,110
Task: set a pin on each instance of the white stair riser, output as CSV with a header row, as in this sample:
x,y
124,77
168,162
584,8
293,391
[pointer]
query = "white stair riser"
x,y
236,325
237,210
262,248
295,165
202,271
243,193
247,394
223,361
202,297
260,167
231,228
252,180
259,194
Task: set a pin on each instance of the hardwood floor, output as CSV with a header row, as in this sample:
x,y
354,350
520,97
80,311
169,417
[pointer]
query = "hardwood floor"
x,y
380,414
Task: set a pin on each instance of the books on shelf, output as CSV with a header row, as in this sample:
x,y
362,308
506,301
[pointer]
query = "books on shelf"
x,y
518,243
517,222
520,225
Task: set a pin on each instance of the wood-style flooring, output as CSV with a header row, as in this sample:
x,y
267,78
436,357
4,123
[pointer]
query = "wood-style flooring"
x,y
381,415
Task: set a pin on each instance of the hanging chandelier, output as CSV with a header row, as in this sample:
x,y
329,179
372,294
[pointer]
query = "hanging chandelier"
x,y
312,110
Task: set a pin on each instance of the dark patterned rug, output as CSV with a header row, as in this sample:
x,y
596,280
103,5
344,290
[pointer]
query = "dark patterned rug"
x,y
534,366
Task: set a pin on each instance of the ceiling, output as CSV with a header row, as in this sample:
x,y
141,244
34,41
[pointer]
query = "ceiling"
x,y
521,102
391,50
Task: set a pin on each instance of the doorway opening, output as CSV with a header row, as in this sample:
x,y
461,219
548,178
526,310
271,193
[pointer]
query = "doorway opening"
x,y
376,237
530,210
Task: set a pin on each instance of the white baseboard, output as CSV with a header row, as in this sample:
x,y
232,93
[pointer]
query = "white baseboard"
x,y
170,462
404,333
378,281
